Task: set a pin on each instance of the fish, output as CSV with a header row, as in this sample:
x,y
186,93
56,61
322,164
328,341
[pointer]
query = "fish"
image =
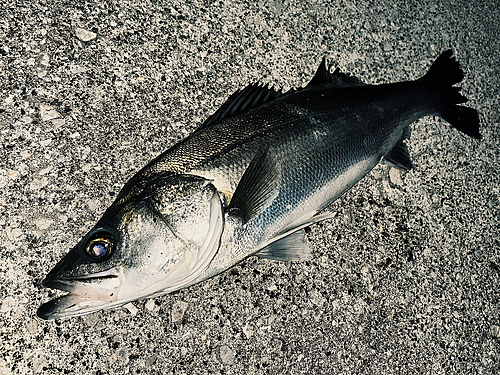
x,y
247,182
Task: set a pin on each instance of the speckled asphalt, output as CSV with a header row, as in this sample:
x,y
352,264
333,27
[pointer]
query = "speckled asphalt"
x,y
404,280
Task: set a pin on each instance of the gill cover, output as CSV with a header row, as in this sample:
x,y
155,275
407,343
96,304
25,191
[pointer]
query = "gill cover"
x,y
193,211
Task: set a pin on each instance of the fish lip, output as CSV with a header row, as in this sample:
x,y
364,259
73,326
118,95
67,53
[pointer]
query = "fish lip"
x,y
53,308
81,290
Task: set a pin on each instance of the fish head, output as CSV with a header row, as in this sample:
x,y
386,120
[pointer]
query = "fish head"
x,y
157,241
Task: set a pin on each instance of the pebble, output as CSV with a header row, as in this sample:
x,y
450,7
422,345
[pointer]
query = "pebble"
x,y
150,305
131,308
495,331
84,35
75,69
12,174
43,223
32,327
48,113
93,204
12,234
395,177
44,171
248,330
8,304
178,310
39,183
227,355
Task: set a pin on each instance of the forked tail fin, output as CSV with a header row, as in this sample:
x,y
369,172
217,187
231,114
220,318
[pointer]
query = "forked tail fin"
x,y
440,78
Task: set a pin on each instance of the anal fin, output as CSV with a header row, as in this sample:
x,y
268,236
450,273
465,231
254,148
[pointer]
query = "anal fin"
x,y
399,157
290,244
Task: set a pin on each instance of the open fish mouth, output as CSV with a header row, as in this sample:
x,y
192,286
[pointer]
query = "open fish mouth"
x,y
86,294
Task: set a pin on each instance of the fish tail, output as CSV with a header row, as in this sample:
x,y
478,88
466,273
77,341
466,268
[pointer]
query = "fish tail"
x,y
439,80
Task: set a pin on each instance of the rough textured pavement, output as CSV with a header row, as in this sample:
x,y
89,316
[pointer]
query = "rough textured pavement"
x,y
404,280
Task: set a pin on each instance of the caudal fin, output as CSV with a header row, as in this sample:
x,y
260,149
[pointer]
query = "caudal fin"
x,y
440,78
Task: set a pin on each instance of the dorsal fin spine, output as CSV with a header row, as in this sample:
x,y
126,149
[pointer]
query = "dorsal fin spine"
x,y
255,95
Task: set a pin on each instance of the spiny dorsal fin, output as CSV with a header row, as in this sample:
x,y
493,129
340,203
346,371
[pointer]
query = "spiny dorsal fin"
x,y
252,96
323,76
257,188
255,95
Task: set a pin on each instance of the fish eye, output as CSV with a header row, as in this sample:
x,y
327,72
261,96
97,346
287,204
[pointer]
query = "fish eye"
x,y
100,246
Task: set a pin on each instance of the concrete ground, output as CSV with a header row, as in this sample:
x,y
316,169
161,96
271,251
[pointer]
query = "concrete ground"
x,y
404,280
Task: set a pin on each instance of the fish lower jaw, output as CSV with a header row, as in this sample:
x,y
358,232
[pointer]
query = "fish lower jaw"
x,y
85,295
71,305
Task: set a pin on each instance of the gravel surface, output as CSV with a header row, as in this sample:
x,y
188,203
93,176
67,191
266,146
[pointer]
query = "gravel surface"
x,y
404,280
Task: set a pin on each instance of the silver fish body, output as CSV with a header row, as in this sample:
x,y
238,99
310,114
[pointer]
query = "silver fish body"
x,y
246,182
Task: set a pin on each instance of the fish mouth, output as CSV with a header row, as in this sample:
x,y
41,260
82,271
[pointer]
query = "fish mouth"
x,y
86,294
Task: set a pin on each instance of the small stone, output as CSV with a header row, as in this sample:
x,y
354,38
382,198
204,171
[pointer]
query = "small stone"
x,y
150,360
44,171
395,177
150,305
87,167
39,184
8,304
178,310
26,119
12,234
32,327
131,308
495,331
317,298
93,204
75,69
248,330
84,35
43,223
45,142
12,174
45,60
365,271
58,122
47,112
226,355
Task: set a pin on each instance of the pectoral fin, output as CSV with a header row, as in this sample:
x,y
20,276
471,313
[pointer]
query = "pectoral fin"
x,y
257,188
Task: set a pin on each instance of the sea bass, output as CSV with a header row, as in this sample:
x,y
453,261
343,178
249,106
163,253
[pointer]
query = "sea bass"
x,y
247,182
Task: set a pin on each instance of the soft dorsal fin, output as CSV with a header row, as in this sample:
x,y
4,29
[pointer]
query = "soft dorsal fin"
x,y
252,96
323,76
